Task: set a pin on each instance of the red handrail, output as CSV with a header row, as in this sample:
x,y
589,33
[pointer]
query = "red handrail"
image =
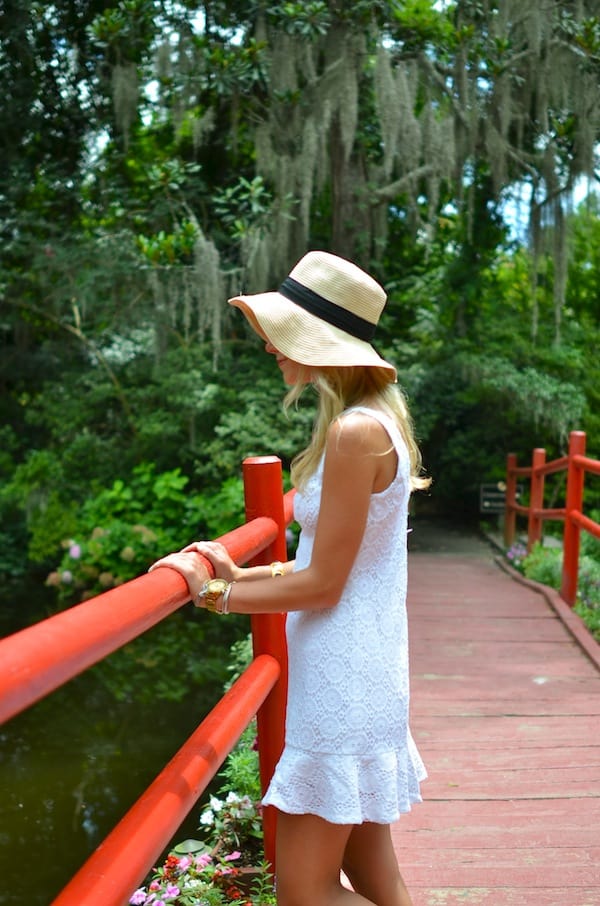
x,y
122,861
39,659
576,465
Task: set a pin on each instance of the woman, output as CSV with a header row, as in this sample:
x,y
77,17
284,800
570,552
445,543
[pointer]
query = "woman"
x,y
349,766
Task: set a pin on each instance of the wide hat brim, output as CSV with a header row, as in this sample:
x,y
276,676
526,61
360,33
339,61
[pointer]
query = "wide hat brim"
x,y
305,338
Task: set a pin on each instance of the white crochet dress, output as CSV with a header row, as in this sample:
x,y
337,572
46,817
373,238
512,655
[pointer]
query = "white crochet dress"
x,y
349,756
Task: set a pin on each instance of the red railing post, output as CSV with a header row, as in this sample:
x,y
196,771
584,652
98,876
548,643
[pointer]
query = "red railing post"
x,y
572,531
536,498
263,487
510,514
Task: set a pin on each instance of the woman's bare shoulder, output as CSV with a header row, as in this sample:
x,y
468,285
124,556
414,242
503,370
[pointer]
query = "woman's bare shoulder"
x,y
357,433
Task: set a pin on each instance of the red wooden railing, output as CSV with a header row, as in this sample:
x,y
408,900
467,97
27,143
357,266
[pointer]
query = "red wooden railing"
x,y
39,659
576,464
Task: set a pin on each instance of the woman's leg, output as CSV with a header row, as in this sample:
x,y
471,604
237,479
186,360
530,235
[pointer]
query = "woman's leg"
x,y
371,866
309,860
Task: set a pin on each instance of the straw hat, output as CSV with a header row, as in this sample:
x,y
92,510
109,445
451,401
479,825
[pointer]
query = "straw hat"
x,y
324,313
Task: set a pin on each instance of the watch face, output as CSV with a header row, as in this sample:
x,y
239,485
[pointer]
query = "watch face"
x,y
216,586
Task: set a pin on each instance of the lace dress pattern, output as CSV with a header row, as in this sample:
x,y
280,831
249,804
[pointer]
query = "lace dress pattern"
x,y
349,756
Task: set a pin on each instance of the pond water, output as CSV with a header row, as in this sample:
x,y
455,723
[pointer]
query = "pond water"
x,y
71,766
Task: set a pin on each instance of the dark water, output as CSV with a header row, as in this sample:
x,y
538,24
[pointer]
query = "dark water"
x,y
70,767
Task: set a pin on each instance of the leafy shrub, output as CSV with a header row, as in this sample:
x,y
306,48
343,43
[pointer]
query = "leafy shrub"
x,y
544,564
591,618
120,531
176,656
125,527
590,545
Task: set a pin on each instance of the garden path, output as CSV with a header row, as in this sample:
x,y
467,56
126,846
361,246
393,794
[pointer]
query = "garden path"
x,y
506,714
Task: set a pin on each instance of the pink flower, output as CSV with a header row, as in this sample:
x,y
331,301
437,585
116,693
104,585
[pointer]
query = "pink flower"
x,y
232,856
203,860
139,897
184,863
172,891
75,551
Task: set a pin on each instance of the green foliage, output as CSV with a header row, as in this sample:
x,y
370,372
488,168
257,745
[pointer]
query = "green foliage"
x,y
126,29
244,206
544,564
100,373
304,19
224,511
167,248
591,617
420,23
552,406
253,423
240,771
179,655
240,657
124,528
588,590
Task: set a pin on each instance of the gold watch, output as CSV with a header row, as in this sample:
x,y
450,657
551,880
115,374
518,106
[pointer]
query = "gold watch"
x,y
211,591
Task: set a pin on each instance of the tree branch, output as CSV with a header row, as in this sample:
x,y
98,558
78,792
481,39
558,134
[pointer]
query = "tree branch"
x,y
386,193
89,345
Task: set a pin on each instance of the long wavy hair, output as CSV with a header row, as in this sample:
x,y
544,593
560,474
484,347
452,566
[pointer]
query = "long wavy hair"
x,y
340,388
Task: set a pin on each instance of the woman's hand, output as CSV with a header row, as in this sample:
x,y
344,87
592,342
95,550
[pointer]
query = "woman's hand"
x,y
217,554
188,565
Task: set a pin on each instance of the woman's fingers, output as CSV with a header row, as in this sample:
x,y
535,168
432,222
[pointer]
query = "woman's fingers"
x,y
218,555
189,567
208,549
171,560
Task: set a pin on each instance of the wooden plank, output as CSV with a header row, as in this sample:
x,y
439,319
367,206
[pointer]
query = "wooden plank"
x,y
513,759
505,711
533,867
484,816
500,730
503,896
507,629
536,783
520,658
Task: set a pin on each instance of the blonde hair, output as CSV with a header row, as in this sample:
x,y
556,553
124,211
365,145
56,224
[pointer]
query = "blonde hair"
x,y
338,389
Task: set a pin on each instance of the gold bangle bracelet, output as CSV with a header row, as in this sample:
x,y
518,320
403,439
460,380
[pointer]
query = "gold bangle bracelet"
x,y
277,569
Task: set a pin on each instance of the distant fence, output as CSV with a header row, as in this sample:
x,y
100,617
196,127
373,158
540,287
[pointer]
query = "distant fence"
x,y
39,659
576,464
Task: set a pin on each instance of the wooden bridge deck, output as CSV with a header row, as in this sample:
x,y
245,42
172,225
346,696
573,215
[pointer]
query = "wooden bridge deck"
x,y
506,714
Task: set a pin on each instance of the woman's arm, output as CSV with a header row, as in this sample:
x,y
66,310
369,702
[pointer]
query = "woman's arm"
x,y
226,568
357,451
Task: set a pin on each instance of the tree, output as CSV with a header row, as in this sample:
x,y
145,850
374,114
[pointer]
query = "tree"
x,y
165,155
367,112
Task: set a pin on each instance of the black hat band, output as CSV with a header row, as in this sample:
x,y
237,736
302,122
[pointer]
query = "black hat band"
x,y
326,310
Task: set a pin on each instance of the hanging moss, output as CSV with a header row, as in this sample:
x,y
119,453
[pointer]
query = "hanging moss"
x,y
515,93
125,90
